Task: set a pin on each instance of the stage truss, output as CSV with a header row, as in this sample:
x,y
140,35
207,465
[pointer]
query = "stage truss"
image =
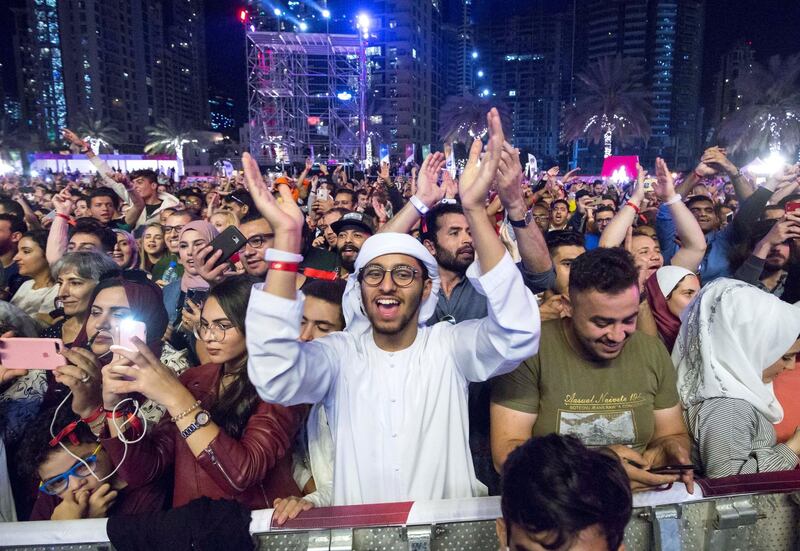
x,y
304,95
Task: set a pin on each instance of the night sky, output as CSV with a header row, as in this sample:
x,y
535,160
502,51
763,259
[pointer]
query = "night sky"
x,y
773,26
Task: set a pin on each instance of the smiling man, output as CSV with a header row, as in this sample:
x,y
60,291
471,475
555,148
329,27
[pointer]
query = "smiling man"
x,y
395,389
351,230
597,378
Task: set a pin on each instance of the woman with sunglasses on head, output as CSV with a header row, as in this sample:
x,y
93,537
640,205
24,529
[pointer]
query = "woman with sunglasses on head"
x,y
218,439
74,483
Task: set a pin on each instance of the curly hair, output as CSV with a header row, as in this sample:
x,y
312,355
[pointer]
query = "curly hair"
x,y
610,271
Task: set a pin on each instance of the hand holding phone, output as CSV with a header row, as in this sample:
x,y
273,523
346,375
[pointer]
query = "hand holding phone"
x,y
229,242
25,353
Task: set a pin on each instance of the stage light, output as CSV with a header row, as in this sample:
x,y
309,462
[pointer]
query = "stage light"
x,y
303,26
344,96
326,14
474,55
363,24
480,74
243,16
277,12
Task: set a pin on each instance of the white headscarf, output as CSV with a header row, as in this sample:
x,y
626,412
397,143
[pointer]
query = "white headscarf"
x,y
730,334
668,278
379,245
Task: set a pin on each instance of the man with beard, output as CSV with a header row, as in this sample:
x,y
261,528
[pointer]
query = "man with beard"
x,y
395,389
351,231
597,378
767,266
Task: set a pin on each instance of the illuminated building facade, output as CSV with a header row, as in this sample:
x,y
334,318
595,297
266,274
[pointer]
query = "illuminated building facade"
x,y
127,63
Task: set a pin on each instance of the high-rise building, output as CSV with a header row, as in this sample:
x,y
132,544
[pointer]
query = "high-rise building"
x,y
127,63
736,62
666,38
406,73
525,64
223,117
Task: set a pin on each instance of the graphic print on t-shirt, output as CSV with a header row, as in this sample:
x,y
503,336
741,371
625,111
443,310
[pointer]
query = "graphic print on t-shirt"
x,y
599,429
600,420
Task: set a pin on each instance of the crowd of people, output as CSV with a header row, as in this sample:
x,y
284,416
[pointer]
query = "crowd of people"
x,y
653,322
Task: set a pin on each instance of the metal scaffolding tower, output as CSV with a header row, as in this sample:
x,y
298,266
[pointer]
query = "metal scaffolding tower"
x,y
304,95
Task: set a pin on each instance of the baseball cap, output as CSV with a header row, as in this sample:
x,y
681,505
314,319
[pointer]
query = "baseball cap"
x,y
354,219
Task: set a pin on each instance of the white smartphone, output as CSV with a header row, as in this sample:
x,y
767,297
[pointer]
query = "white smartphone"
x,y
129,328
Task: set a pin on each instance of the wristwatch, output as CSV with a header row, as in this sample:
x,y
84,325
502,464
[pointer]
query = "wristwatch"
x,y
524,223
200,420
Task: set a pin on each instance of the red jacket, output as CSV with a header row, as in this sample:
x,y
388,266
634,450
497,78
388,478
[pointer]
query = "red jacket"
x,y
253,470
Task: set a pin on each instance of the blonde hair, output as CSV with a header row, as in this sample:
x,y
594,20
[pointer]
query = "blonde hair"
x,y
230,218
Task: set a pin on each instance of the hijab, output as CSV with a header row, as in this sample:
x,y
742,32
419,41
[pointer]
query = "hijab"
x,y
379,245
208,232
731,333
659,286
145,301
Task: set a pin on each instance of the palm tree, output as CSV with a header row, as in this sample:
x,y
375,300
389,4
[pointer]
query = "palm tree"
x,y
463,118
17,138
166,136
769,115
96,131
611,102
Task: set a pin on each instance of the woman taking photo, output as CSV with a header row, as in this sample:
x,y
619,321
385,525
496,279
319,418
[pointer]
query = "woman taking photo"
x,y
36,297
153,247
735,340
76,275
218,438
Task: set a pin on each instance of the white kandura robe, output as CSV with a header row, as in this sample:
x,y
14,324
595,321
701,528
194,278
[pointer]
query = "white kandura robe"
x,y
399,419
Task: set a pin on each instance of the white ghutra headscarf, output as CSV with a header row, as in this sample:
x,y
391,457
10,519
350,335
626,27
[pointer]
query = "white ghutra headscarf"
x,y
379,245
732,332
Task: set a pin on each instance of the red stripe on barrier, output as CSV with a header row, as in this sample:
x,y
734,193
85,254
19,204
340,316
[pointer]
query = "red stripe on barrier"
x,y
350,516
780,481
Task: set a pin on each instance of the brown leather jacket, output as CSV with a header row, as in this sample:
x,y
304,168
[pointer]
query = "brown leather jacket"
x,y
253,470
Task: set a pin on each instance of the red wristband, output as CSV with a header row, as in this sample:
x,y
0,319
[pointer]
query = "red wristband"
x,y
65,217
634,207
284,266
111,414
699,176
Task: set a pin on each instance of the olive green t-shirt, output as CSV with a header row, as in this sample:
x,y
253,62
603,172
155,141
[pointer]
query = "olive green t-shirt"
x,y
602,403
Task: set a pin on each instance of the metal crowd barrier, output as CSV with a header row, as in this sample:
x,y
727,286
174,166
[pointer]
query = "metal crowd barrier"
x,y
757,512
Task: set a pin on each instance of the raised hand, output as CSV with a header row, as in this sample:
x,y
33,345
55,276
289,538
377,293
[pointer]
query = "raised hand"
x,y
716,159
207,268
84,378
284,216
509,182
449,185
478,175
380,210
73,138
63,203
428,191
665,183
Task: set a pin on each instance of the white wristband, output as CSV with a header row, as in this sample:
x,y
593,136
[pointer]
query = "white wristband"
x,y
276,255
419,205
675,198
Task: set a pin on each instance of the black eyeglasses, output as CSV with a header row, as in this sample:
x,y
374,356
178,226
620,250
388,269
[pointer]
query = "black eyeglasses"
x,y
257,241
170,229
402,276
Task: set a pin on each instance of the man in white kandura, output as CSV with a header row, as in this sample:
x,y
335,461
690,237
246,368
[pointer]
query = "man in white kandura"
x,y
395,390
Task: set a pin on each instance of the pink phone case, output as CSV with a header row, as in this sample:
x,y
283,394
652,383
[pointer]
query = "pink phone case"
x,y
24,353
129,329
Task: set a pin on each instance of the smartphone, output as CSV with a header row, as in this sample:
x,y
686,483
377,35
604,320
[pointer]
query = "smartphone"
x,y
25,353
673,469
792,206
198,295
229,242
129,328
323,194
